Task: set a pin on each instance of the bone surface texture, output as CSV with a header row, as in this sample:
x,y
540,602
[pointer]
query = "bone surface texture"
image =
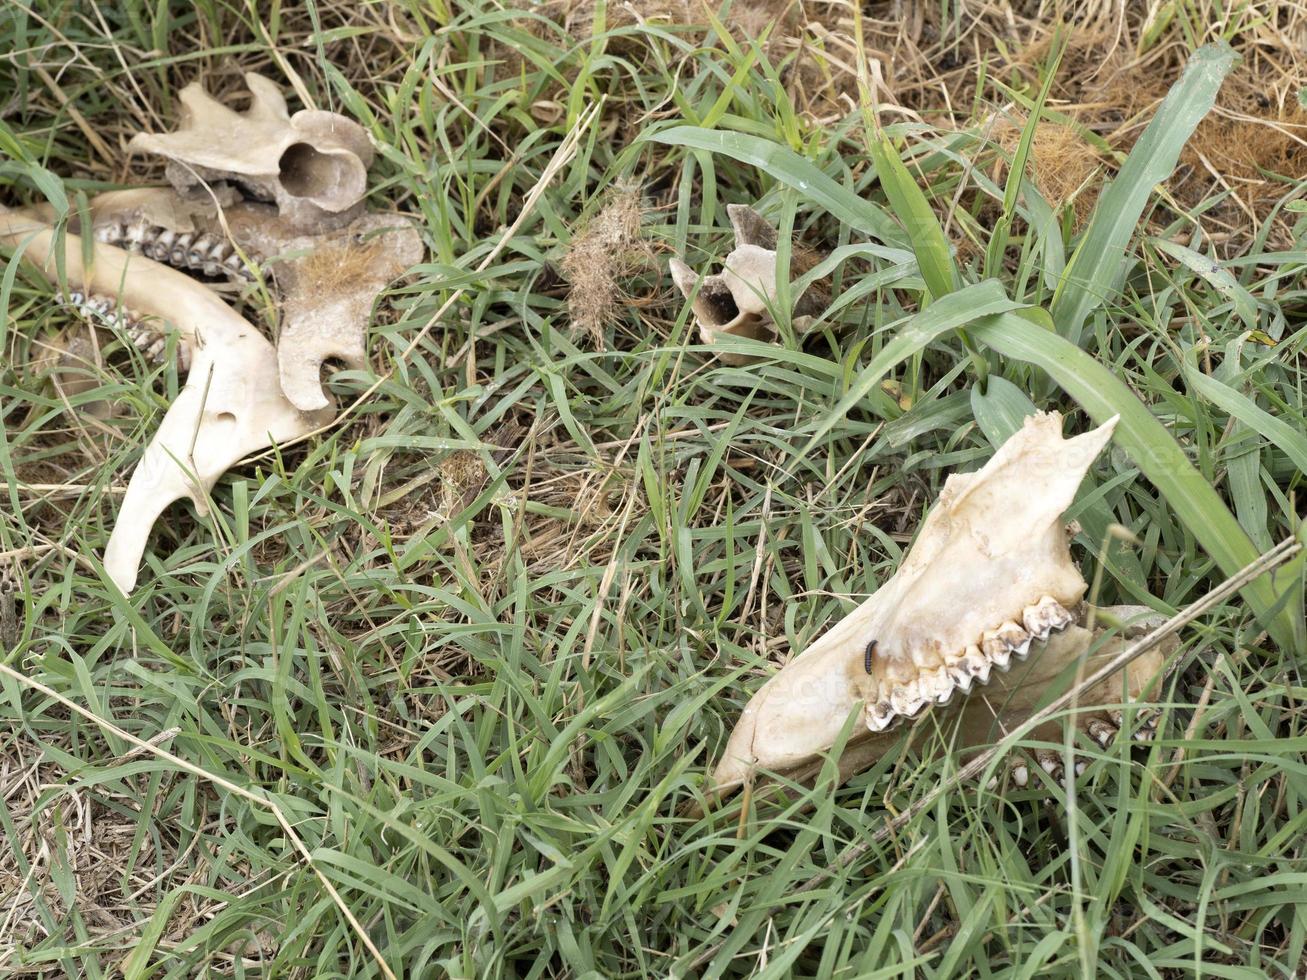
x,y
988,583
231,405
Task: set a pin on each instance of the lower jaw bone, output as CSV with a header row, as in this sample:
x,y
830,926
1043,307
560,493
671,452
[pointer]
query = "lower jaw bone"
x,y
230,407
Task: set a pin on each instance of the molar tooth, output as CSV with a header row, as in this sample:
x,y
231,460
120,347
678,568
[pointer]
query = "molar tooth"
x,y
1101,732
937,685
879,715
960,677
181,249
1020,774
1045,617
111,232
199,251
907,699
977,664
161,248
233,266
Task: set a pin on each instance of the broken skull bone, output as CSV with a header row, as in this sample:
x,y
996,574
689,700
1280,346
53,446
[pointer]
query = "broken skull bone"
x,y
988,583
232,404
739,300
312,165
329,259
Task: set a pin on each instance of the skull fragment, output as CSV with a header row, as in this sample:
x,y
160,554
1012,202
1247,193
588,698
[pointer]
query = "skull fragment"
x,y
739,300
312,165
988,583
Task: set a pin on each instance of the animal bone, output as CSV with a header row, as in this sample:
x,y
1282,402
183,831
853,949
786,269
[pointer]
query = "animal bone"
x,y
1009,699
312,165
989,579
738,301
328,281
231,405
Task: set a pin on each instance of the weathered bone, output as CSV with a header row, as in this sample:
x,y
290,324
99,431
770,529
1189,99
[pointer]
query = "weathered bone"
x,y
312,165
328,281
328,284
992,553
230,407
738,301
1011,698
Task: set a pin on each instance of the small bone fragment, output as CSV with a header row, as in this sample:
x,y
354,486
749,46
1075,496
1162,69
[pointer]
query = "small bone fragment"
x,y
738,300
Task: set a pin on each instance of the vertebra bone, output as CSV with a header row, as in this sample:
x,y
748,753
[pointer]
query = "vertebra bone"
x,y
738,301
312,165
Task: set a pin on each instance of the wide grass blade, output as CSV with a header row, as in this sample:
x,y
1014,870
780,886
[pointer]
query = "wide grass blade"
x,y
792,170
1095,268
1159,457
909,204
954,311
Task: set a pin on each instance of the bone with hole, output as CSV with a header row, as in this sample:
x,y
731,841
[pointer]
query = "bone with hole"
x,y
739,301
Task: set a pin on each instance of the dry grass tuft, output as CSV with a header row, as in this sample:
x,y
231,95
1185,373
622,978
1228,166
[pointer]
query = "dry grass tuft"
x,y
607,251
1063,166
336,268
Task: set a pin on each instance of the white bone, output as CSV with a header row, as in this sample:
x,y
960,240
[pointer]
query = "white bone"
x,y
231,405
737,301
992,546
312,165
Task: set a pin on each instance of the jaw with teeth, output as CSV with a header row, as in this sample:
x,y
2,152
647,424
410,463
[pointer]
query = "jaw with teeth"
x,y
988,582
327,280
231,406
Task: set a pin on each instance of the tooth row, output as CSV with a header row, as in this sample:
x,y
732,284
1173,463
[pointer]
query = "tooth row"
x,y
102,310
960,671
204,253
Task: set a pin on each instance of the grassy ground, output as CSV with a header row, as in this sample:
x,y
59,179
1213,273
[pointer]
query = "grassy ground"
x,y
479,643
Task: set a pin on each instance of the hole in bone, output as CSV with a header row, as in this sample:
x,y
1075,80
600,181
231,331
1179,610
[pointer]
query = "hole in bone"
x,y
719,304
225,419
307,173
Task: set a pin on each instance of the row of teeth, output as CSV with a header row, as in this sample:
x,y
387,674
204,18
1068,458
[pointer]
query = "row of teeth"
x,y
960,671
204,253
1102,732
103,311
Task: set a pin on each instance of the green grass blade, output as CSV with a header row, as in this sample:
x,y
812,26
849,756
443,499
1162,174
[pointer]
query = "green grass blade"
x,y
792,170
1158,456
909,204
1282,435
950,313
1095,267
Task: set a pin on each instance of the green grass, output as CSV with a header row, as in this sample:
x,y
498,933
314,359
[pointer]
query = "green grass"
x,y
482,714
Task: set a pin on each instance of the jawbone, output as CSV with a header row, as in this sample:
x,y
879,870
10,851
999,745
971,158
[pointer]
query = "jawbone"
x,y
988,582
232,404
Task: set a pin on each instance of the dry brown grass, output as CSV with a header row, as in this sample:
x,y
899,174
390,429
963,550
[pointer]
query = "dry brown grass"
x,y
1063,166
607,252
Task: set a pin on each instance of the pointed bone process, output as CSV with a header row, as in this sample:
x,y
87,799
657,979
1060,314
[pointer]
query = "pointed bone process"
x,y
738,301
989,577
329,260
231,405
313,165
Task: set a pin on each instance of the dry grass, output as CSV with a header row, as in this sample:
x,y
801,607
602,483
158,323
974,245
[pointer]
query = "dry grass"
x,y
458,691
601,259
